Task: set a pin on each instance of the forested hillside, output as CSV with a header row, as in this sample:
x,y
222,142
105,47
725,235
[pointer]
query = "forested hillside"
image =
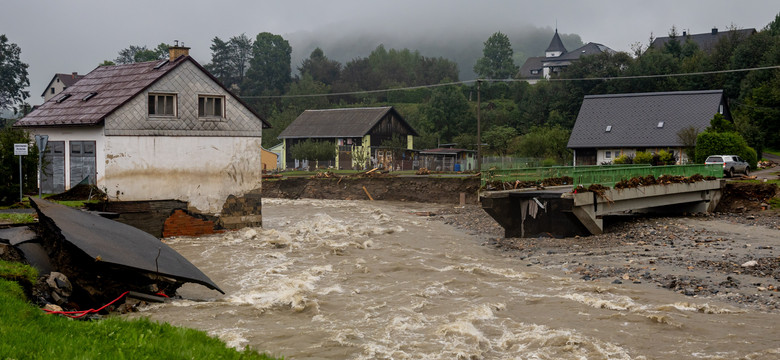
x,y
517,118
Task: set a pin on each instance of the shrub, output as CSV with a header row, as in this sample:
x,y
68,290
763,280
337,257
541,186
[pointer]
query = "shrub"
x,y
623,159
643,157
665,156
724,143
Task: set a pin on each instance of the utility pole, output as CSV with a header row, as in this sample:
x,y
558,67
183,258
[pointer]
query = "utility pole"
x,y
479,127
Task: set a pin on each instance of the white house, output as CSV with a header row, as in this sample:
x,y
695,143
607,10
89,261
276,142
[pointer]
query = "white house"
x,y
59,83
151,131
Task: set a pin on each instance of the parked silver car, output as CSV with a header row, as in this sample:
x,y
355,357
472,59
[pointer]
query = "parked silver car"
x,y
731,164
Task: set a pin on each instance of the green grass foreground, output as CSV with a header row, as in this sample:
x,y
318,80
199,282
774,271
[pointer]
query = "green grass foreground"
x,y
29,333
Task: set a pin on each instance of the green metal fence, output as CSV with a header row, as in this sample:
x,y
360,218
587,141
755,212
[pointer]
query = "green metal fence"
x,y
606,175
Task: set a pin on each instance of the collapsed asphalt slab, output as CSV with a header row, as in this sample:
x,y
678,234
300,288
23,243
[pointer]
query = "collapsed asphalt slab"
x,y
103,258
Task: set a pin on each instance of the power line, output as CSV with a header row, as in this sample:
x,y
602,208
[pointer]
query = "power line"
x,y
511,80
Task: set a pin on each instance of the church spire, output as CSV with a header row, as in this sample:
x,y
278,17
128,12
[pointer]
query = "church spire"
x,y
556,47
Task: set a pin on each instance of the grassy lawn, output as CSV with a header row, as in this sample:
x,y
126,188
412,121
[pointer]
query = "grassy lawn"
x,y
29,333
14,218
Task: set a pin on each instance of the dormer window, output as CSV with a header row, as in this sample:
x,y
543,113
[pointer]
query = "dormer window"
x,y
608,129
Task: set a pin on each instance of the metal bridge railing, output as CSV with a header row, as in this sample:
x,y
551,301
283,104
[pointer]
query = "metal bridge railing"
x,y
606,175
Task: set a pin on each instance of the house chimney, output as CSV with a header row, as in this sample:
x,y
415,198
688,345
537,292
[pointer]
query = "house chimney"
x,y
175,51
714,31
74,74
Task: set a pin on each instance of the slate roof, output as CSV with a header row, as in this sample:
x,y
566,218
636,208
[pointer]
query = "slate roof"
x,y
339,123
532,63
590,48
634,118
705,41
113,86
556,44
66,79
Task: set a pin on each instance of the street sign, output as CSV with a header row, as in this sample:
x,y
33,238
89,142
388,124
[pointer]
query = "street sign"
x,y
20,149
41,141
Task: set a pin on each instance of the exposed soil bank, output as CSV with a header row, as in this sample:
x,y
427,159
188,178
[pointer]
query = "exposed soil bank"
x,y
408,188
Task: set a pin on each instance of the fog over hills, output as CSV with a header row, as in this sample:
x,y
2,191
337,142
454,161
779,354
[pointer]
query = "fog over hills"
x,y
461,44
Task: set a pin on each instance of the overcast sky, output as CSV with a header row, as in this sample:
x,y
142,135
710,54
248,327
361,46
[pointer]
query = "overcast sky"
x,y
77,35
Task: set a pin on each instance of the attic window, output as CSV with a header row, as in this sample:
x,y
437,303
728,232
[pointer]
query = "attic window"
x,y
660,124
62,98
89,96
161,64
609,128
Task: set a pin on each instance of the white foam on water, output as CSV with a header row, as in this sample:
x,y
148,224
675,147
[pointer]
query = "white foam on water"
x,y
296,292
481,269
233,337
604,301
700,308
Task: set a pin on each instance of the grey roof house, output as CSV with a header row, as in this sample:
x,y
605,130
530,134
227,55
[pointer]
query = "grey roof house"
x,y
610,125
705,41
556,58
358,133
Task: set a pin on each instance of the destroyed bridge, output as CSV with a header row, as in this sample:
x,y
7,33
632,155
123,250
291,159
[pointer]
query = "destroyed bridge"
x,y
570,201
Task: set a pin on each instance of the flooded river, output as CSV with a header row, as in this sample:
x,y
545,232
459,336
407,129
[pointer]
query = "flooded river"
x,y
371,280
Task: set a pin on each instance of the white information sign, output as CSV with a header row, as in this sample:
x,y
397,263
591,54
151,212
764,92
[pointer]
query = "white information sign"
x,y
20,149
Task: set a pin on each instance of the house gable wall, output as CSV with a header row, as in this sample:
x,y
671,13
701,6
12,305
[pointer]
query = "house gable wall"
x,y
187,82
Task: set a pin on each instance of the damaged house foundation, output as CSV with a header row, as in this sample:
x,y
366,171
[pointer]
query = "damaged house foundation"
x,y
175,152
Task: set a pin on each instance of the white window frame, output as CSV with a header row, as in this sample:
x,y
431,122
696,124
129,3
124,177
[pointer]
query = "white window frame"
x,y
152,106
209,109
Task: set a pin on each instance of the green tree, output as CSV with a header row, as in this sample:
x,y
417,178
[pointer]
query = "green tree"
x,y
546,142
13,76
269,69
498,138
320,68
322,150
496,61
134,54
449,112
9,165
230,59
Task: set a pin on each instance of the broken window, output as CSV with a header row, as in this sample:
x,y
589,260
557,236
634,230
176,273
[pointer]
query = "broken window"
x,y
210,106
162,104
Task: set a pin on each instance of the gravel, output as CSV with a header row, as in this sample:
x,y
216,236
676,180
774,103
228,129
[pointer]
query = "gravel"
x,y
731,257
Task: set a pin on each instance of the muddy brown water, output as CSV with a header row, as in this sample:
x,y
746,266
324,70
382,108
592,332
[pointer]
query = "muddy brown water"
x,y
327,279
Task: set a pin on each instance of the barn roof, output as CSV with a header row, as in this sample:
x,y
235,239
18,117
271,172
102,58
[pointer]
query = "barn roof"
x,y
339,123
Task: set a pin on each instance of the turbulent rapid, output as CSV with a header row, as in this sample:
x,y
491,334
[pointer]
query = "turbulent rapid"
x,y
327,279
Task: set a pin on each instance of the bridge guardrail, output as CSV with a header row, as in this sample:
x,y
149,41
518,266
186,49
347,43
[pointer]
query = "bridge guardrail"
x,y
606,175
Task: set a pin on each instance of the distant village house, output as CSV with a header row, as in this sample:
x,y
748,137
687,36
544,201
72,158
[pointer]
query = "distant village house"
x,y
361,136
555,59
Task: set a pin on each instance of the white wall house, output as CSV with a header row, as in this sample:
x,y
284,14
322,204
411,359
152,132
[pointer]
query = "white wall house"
x,y
151,131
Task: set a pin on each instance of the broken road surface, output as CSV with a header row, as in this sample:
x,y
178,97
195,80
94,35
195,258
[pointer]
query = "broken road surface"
x,y
114,243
